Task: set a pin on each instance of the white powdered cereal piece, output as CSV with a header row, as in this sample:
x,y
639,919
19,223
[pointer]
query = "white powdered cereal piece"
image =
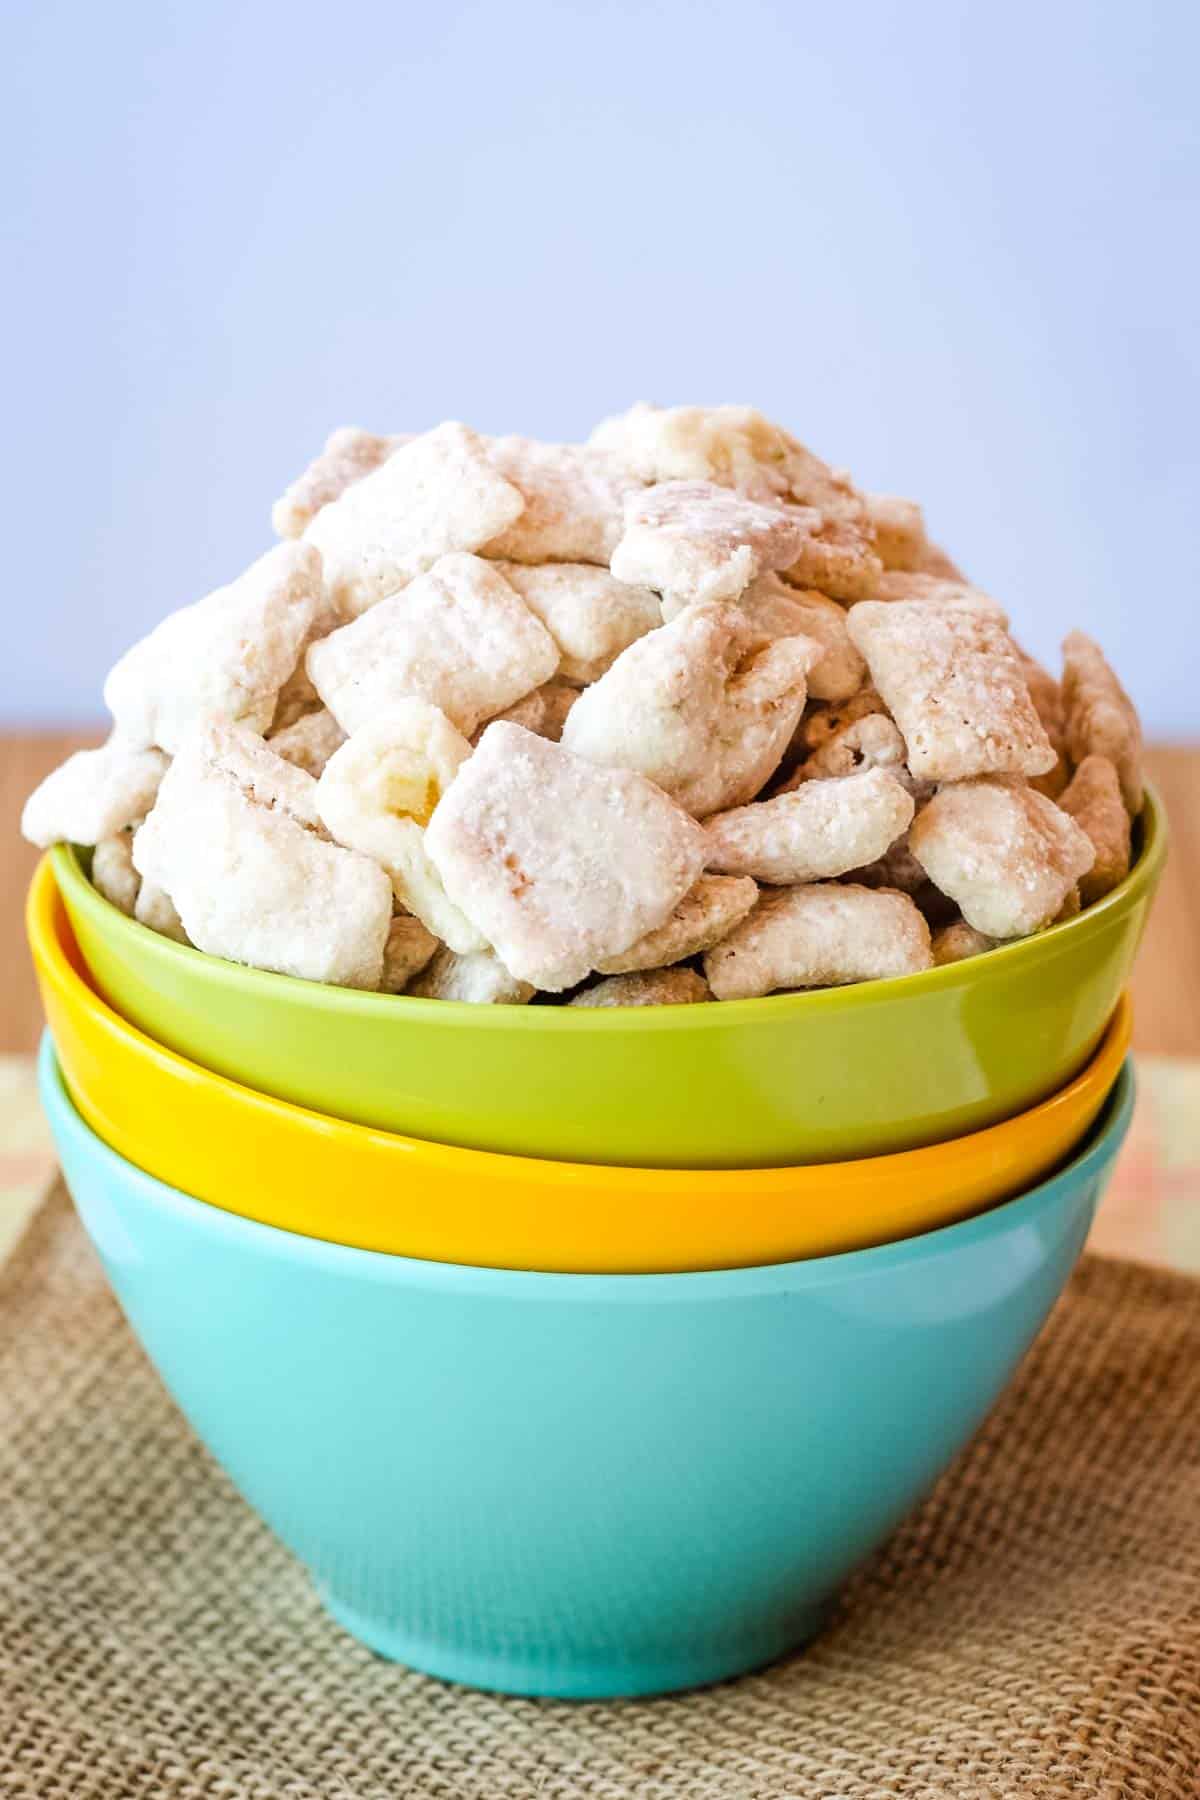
x,y
310,741
1047,699
349,454
820,829
156,909
573,499
649,987
703,917
695,542
953,682
263,776
1099,717
251,883
869,742
409,949
734,446
113,873
1093,799
836,556
545,710
437,494
899,531
823,722
822,936
702,707
779,610
936,590
1006,855
378,793
93,795
480,979
558,863
590,615
957,941
459,637
227,655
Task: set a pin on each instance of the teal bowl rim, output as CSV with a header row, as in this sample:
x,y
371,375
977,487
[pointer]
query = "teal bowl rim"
x,y
1100,1146
74,885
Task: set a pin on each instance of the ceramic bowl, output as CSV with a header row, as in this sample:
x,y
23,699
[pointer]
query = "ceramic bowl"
x,y
810,1077
283,1165
572,1484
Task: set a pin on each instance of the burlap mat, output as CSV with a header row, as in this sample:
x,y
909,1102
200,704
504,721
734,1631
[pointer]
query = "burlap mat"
x,y
1034,1630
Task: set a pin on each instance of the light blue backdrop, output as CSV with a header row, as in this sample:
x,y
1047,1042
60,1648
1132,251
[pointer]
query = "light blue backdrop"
x,y
953,246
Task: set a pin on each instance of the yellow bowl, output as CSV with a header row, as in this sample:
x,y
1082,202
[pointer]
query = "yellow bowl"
x,y
348,1184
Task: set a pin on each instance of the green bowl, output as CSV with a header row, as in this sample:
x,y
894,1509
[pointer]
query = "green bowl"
x,y
795,1078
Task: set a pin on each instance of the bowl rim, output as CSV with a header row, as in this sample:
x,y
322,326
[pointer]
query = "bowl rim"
x,y
144,945
46,912
1021,1212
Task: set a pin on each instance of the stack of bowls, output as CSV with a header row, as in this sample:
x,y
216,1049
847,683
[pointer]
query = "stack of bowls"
x,y
585,1352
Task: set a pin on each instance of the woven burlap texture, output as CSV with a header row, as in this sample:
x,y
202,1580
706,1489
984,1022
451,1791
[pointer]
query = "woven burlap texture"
x,y
1033,1630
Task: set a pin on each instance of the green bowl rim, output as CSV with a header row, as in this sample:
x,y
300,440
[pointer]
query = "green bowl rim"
x,y
77,891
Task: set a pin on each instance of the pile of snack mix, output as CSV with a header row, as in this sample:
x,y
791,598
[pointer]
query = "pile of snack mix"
x,y
674,715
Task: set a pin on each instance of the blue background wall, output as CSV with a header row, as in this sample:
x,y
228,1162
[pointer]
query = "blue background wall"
x,y
951,246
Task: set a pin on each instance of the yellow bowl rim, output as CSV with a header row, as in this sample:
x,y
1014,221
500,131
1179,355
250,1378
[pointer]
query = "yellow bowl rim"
x,y
46,918
808,1003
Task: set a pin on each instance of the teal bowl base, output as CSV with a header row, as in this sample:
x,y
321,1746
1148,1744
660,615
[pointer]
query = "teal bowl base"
x,y
585,1679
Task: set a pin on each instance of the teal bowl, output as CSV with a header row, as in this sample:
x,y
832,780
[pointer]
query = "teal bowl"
x,y
578,1485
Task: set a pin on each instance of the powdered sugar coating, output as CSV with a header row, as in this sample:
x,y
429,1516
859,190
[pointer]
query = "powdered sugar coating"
x,y
263,776
821,829
479,978
706,914
952,680
703,707
821,936
93,795
459,637
937,590
695,542
438,494
779,610
649,987
348,454
573,498
590,615
1005,854
899,527
1099,717
1094,800
379,791
734,447
559,863
255,886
